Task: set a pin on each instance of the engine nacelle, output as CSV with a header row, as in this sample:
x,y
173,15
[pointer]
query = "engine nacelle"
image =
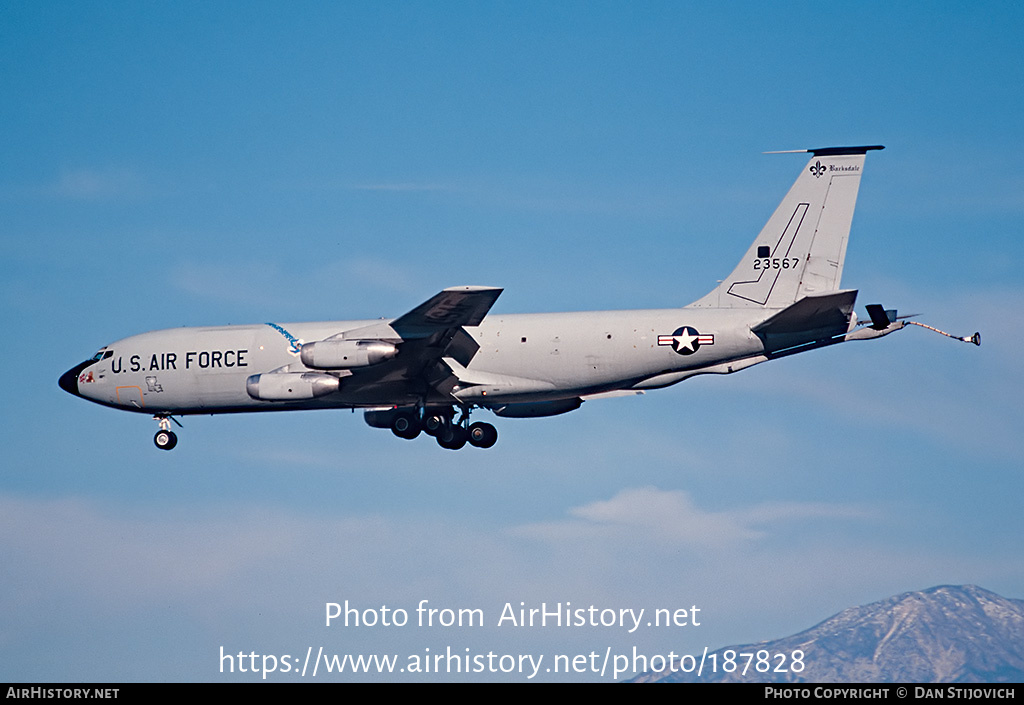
x,y
291,386
343,354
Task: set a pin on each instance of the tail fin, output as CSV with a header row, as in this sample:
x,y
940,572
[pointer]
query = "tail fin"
x,y
801,249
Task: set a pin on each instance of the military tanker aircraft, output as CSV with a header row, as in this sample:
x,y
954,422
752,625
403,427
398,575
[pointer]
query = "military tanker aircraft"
x,y
428,369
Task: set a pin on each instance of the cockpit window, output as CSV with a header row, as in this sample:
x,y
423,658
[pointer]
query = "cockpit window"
x,y
108,353
102,355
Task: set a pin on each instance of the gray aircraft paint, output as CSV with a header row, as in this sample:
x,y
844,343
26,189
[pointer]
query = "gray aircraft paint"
x,y
783,297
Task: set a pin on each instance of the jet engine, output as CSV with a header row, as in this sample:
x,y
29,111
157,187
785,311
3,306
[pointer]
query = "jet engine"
x,y
291,386
343,354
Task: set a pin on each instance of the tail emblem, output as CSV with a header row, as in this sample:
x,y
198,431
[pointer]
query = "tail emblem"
x,y
817,169
686,340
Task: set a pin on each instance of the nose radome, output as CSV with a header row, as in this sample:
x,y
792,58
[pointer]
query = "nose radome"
x,y
69,380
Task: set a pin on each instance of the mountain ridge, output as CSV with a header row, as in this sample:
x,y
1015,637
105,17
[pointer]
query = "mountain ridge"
x,y
945,634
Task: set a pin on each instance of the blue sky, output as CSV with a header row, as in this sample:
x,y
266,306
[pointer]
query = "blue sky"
x,y
171,164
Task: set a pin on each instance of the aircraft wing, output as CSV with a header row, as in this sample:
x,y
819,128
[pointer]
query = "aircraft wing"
x,y
426,334
452,308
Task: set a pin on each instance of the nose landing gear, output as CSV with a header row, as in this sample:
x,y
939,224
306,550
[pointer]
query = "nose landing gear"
x,y
165,438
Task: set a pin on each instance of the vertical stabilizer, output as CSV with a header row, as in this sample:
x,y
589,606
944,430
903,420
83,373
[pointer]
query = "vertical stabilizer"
x,y
801,249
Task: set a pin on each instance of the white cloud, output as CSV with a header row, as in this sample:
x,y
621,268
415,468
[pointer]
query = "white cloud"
x,y
97,184
670,517
117,557
244,576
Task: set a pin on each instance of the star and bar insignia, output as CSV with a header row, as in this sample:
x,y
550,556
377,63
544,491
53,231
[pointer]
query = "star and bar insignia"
x,y
686,340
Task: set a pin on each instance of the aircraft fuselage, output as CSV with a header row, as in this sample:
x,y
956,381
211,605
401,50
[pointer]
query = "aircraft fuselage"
x,y
529,357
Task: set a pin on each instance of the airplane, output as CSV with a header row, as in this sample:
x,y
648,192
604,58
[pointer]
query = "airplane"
x,y
447,357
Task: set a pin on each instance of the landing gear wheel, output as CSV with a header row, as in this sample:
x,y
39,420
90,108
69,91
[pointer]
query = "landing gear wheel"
x,y
482,435
405,426
434,424
452,437
165,440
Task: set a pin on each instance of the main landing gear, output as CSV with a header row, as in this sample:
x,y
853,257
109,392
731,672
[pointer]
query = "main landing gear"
x,y
440,424
165,438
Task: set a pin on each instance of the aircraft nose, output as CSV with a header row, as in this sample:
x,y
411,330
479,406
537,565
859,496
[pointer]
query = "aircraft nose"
x,y
69,380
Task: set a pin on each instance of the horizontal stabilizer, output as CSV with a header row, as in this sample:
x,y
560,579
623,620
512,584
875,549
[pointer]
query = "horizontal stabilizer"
x,y
812,312
812,319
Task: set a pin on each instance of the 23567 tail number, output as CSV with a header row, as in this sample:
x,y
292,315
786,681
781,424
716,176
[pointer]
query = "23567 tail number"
x,y
776,262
